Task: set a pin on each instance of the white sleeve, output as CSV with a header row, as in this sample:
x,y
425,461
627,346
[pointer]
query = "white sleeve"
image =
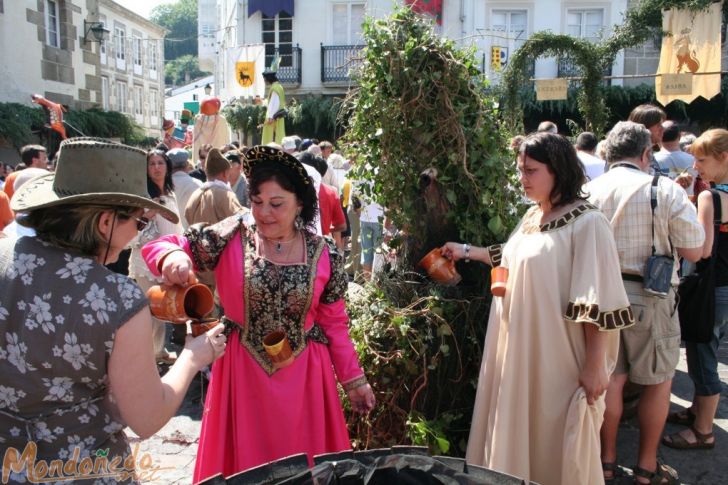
x,y
273,105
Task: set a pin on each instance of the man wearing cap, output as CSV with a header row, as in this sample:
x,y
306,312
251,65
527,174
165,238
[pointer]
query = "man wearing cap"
x,y
184,185
184,121
274,129
214,200
169,139
289,145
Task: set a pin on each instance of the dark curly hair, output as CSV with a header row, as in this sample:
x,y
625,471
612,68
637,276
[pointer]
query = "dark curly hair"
x,y
559,155
305,193
152,188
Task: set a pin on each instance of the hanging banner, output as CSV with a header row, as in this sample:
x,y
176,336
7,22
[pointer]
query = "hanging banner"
x,y
676,84
693,47
428,7
551,89
498,58
245,65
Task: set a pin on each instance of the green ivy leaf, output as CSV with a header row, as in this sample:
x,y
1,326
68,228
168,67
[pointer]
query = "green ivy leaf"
x,y
451,197
495,224
442,444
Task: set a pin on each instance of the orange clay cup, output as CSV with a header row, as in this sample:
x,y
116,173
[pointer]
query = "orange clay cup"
x,y
178,304
278,349
198,327
440,268
498,280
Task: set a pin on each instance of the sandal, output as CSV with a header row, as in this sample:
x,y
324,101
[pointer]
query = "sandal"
x,y
663,475
684,417
612,468
678,442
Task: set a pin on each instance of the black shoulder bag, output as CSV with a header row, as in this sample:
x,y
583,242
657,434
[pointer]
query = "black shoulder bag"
x,y
696,305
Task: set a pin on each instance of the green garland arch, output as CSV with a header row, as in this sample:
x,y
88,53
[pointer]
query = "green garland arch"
x,y
586,55
640,24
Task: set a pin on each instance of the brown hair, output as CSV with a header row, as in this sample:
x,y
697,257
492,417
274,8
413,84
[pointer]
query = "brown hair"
x,y
73,227
559,155
648,115
29,152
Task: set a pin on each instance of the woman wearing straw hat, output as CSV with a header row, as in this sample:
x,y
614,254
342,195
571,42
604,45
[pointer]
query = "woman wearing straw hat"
x,y
277,276
76,339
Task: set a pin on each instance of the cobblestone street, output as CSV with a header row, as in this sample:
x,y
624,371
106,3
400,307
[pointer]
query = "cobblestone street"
x,y
173,448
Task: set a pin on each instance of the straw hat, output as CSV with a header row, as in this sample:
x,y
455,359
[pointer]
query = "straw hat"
x,y
92,171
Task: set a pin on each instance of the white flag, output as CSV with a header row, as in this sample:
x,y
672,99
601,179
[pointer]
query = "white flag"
x,y
693,48
244,73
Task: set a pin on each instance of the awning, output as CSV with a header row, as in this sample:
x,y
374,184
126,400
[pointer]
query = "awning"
x,y
270,8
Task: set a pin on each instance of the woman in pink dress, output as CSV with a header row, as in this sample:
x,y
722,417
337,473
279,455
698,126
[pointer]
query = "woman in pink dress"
x,y
274,276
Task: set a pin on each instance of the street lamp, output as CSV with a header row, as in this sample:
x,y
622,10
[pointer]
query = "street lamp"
x,y
208,89
97,30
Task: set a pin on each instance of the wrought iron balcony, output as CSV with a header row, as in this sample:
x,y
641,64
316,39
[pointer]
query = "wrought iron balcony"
x,y
338,62
289,70
568,68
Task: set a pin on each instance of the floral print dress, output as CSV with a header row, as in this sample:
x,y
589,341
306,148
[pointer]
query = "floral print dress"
x,y
59,313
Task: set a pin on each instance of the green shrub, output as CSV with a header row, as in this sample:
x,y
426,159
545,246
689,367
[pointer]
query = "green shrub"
x,y
421,107
20,122
420,345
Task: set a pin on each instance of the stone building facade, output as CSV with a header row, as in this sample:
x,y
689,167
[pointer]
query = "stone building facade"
x,y
55,48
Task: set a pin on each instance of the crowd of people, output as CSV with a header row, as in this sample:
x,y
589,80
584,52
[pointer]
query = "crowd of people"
x,y
252,223
644,192
279,230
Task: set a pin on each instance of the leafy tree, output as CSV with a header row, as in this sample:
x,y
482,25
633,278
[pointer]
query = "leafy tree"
x,y
420,112
181,20
182,70
426,134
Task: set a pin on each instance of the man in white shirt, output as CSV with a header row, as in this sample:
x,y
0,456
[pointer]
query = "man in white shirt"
x,y
649,350
586,145
672,160
274,129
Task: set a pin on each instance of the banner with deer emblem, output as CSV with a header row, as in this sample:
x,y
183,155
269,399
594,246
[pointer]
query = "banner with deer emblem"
x,y
244,72
692,48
